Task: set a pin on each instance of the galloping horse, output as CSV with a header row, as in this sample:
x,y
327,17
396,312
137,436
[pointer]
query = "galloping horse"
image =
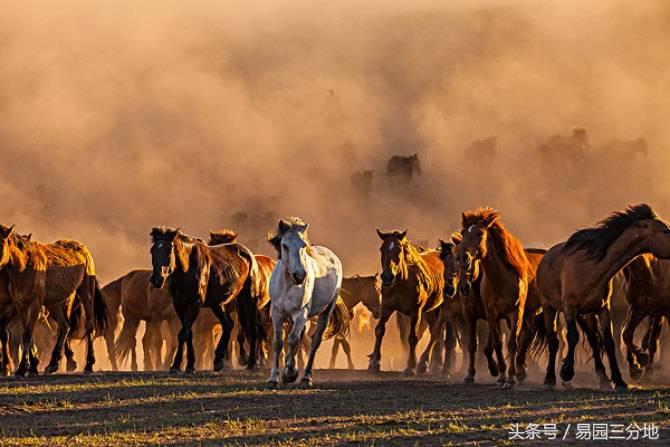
x,y
506,272
356,289
575,277
411,284
51,275
198,275
305,282
647,289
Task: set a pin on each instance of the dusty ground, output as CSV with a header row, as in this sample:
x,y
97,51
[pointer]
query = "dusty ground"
x,y
342,408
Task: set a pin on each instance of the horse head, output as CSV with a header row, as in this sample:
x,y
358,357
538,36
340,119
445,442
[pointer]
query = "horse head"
x,y
391,254
293,245
6,238
163,256
450,269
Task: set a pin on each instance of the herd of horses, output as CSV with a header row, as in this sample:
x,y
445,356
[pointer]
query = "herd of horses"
x,y
284,307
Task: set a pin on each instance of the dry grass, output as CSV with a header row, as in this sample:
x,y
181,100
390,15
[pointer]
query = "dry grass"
x,y
342,408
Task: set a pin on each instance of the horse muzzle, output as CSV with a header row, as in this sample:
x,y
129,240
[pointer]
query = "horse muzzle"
x,y
449,291
464,288
158,281
298,278
387,278
464,261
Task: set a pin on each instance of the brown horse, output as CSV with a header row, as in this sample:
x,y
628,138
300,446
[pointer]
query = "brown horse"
x,y
356,289
51,275
200,275
647,289
411,284
140,301
575,277
265,267
506,273
472,307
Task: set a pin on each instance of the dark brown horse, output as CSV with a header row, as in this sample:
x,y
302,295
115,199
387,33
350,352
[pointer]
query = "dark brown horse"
x,y
51,275
265,267
647,290
198,275
506,273
575,277
411,284
356,289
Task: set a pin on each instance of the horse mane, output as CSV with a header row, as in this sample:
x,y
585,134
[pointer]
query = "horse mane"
x,y
223,236
412,258
507,245
597,240
289,224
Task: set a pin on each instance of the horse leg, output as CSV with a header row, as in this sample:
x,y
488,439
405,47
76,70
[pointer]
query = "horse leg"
x,y
633,320
58,314
192,315
337,341
70,363
321,324
182,312
496,340
290,372
568,366
380,329
652,342
6,353
610,348
277,345
414,328
528,329
147,339
589,325
471,336
243,356
109,343
512,345
30,317
172,341
552,343
436,326
346,347
226,329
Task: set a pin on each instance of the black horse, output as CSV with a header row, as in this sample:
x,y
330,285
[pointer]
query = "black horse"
x,y
211,276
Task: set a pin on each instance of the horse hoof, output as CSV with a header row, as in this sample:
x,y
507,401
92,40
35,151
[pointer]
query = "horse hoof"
x,y
51,369
306,382
408,372
549,386
189,371
289,375
218,366
71,366
469,380
621,387
643,359
174,371
88,370
272,384
373,365
605,385
635,372
508,385
566,385
521,375
493,370
567,372
422,368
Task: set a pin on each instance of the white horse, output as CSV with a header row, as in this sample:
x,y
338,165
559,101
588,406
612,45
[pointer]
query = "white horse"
x,y
305,283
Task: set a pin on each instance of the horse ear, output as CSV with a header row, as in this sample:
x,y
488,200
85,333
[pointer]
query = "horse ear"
x,y
463,218
381,234
283,226
456,238
402,235
489,221
445,246
303,228
7,231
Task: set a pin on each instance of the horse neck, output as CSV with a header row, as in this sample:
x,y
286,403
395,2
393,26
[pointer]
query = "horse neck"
x,y
620,254
496,269
183,251
18,259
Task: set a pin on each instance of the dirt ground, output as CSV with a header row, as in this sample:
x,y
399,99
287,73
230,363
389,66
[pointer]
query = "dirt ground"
x,y
342,408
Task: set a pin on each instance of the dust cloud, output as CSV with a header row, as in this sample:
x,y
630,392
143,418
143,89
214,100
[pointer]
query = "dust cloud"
x,y
121,116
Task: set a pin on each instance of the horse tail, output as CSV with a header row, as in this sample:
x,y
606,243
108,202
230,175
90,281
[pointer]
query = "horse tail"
x,y
540,342
247,305
339,322
99,309
126,341
75,316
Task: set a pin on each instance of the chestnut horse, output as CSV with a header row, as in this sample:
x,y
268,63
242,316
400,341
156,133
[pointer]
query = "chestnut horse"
x,y
51,275
506,273
198,275
575,277
647,289
411,284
